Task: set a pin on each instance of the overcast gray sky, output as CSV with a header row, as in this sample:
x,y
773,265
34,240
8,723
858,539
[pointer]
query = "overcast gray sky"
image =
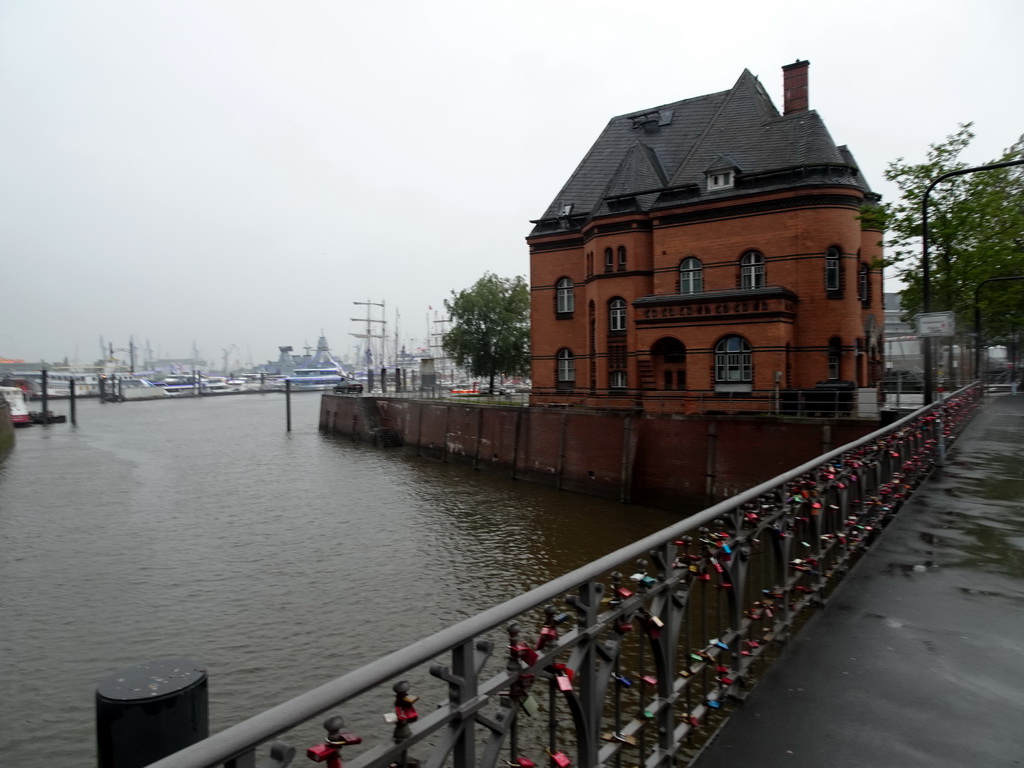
x,y
239,172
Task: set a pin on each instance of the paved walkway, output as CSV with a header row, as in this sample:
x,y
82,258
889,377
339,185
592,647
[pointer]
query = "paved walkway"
x,y
918,659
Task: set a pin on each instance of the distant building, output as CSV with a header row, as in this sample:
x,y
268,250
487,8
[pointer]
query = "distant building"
x,y
706,255
902,345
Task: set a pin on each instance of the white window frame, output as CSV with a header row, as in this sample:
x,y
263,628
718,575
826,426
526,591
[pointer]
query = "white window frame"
x,y
833,277
618,380
691,276
566,373
564,296
617,315
721,180
752,272
733,361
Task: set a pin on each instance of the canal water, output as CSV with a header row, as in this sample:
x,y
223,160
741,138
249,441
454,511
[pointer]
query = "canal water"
x,y
202,529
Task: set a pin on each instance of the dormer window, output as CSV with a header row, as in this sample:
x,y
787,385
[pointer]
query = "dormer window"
x,y
720,180
721,173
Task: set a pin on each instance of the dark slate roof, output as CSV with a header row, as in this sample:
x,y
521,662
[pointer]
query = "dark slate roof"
x,y
659,157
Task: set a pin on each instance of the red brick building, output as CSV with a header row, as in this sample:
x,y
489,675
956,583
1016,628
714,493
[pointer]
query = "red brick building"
x,y
707,255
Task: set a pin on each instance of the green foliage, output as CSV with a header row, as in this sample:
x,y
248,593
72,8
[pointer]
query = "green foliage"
x,y
490,335
975,232
873,217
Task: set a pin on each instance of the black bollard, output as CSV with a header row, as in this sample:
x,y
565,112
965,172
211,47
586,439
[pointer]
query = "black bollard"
x,y
46,398
149,711
288,403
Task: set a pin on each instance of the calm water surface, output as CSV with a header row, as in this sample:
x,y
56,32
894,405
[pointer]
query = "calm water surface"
x,y
201,529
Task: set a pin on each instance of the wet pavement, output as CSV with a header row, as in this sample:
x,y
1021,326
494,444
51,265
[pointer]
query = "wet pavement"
x,y
918,658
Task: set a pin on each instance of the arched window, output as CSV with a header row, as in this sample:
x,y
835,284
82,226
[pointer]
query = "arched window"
x,y
617,315
565,302
752,270
835,356
732,360
566,374
833,275
691,276
609,259
622,258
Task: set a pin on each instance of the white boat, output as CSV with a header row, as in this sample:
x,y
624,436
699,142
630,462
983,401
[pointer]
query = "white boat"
x,y
17,401
58,383
261,382
321,372
216,385
186,384
140,389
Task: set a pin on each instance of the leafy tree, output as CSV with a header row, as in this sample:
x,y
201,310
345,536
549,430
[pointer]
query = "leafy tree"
x,y
975,232
490,334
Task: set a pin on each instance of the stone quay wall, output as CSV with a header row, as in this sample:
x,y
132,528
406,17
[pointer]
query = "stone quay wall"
x,y
658,460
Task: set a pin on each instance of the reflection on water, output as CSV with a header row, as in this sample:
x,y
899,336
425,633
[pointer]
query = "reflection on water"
x,y
202,529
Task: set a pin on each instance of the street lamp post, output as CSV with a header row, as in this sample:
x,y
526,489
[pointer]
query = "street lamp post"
x,y
926,286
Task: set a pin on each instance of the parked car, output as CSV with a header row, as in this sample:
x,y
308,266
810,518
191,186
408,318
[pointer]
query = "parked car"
x,y
348,387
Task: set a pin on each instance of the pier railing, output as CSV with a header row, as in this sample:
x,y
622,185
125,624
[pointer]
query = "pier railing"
x,y
634,659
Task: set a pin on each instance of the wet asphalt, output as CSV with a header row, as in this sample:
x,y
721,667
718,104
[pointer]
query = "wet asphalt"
x,y
918,657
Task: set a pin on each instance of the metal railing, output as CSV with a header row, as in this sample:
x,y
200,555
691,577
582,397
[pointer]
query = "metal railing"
x,y
633,659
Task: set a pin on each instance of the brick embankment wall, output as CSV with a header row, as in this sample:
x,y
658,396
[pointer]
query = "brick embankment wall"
x,y
653,459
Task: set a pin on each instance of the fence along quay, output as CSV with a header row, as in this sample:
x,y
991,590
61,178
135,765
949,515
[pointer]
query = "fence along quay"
x,y
666,636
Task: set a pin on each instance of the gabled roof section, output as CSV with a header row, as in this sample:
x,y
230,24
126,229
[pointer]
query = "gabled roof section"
x,y
670,149
586,187
640,174
640,170
749,129
722,163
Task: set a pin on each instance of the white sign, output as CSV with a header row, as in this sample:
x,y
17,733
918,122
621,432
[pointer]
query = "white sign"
x,y
935,324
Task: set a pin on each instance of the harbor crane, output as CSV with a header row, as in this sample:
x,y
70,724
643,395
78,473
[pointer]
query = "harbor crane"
x,y
227,352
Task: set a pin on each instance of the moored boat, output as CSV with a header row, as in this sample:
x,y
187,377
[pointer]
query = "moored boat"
x,y
140,389
321,372
17,401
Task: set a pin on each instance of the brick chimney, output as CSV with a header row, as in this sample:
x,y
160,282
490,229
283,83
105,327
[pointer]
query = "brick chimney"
x,y
794,87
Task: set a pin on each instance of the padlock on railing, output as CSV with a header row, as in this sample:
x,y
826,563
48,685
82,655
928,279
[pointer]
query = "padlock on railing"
x,y
549,632
519,651
559,759
563,677
405,712
330,750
